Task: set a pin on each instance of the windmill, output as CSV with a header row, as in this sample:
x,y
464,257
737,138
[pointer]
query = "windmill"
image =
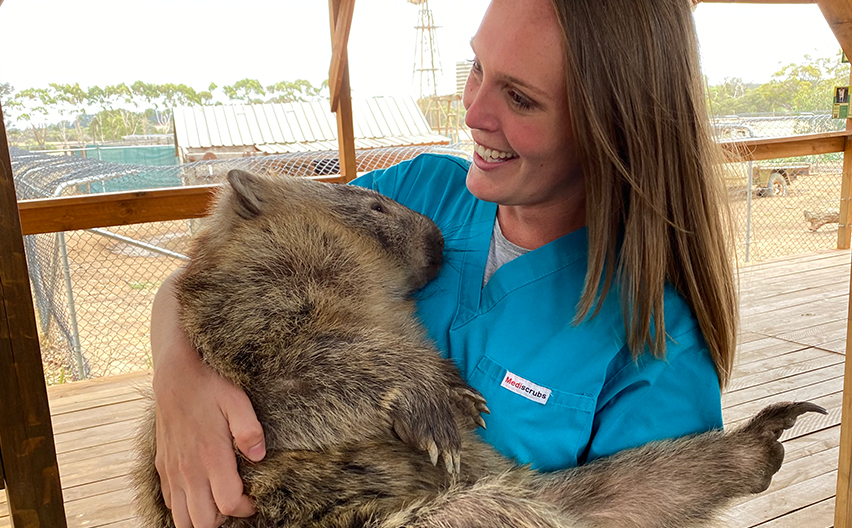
x,y
441,111
427,61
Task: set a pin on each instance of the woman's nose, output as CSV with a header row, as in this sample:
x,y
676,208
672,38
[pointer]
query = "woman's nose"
x,y
479,106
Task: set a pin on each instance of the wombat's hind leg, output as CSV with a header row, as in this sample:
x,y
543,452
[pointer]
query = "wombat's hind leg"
x,y
675,483
763,432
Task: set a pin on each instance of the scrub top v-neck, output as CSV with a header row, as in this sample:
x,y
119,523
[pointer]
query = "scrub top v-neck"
x,y
560,393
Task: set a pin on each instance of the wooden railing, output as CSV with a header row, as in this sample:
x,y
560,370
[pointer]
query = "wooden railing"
x,y
111,209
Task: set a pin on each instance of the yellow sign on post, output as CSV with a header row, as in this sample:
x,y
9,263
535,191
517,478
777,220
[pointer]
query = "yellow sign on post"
x,y
841,102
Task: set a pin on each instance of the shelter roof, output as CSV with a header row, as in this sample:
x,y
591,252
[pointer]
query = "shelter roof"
x,y
303,126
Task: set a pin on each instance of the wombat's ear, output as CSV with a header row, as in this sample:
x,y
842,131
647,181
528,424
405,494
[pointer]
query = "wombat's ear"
x,y
249,189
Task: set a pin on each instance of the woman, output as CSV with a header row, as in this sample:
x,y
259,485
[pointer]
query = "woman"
x,y
587,292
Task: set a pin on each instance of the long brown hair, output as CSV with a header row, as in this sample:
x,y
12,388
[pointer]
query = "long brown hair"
x,y
656,205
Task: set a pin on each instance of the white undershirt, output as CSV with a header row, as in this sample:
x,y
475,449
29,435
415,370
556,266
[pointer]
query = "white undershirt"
x,y
500,252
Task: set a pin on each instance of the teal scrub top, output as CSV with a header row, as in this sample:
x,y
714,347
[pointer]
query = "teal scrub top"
x,y
560,394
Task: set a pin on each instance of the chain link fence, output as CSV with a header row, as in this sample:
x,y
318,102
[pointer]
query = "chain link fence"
x,y
783,206
93,288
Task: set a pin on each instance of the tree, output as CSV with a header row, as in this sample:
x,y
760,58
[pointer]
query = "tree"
x,y
6,91
298,90
794,89
245,90
34,105
72,101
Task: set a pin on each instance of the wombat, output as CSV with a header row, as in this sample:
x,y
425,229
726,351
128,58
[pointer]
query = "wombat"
x,y
299,293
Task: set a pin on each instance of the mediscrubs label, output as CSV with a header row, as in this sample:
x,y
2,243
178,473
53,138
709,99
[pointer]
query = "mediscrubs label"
x,y
525,388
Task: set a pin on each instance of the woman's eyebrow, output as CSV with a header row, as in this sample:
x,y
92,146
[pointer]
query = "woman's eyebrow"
x,y
514,80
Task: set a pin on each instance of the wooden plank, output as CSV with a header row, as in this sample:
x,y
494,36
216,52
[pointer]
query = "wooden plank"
x,y
111,209
843,512
844,230
744,371
783,384
814,516
345,128
788,147
838,14
827,394
778,372
26,436
339,47
769,506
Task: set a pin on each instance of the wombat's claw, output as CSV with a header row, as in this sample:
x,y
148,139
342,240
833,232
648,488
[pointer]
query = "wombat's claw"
x,y
480,422
433,452
405,435
776,418
467,393
471,403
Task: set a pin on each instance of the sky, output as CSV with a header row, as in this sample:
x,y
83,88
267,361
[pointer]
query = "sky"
x,y
195,42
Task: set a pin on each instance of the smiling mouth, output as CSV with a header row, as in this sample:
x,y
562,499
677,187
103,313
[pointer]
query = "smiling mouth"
x,y
493,156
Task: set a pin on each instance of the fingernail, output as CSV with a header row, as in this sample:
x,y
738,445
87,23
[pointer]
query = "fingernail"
x,y
257,452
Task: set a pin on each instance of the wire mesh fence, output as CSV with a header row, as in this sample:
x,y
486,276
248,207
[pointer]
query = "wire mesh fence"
x,y
783,206
93,289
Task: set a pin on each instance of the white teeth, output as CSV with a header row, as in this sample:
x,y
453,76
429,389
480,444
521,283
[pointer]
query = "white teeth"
x,y
492,155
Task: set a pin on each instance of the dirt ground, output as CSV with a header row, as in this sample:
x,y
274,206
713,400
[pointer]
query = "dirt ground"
x,y
114,282
777,227
113,287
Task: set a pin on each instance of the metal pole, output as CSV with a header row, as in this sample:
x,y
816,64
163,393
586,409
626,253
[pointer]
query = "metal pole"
x,y
139,244
749,192
72,311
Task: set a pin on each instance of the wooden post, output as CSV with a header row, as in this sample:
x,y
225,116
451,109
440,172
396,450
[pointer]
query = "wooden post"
x,y
844,230
33,492
843,505
345,127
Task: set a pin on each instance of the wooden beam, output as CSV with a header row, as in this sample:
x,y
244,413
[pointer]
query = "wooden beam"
x,y
339,47
838,14
345,127
843,501
788,147
33,490
69,213
844,229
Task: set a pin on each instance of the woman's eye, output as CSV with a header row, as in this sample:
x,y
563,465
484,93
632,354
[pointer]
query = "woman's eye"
x,y
520,101
378,208
475,67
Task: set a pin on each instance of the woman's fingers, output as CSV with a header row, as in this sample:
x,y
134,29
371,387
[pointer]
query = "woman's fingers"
x,y
244,427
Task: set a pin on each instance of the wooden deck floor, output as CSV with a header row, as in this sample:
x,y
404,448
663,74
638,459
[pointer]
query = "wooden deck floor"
x,y
792,348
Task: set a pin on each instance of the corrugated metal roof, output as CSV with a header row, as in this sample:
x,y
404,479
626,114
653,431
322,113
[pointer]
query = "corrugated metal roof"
x,y
277,128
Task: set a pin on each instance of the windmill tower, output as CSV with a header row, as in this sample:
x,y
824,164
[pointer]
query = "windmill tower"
x,y
427,61
441,111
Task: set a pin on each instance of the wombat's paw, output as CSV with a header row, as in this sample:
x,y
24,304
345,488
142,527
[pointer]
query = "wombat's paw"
x,y
429,424
470,403
763,432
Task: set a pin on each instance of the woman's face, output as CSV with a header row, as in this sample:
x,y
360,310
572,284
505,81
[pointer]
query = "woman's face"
x,y
517,108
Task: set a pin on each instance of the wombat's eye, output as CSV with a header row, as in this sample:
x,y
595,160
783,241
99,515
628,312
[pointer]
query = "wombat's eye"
x,y
377,207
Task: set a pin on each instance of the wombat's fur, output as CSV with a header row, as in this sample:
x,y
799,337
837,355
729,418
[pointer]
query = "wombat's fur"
x,y
298,292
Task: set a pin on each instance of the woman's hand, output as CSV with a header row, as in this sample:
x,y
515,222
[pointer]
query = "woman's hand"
x,y
200,417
